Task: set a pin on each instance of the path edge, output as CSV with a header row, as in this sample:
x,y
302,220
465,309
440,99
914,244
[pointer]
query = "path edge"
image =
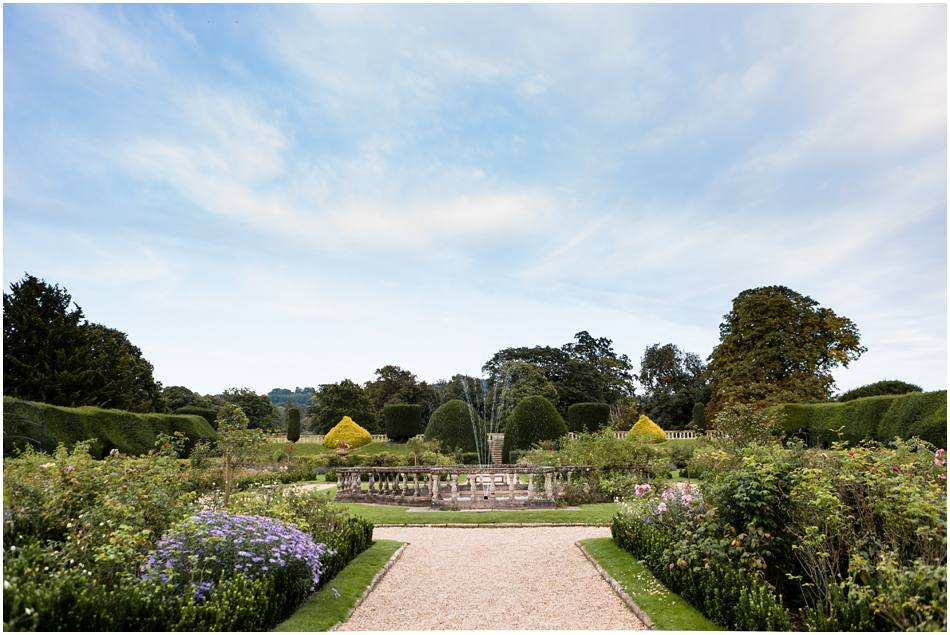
x,y
485,525
618,589
372,585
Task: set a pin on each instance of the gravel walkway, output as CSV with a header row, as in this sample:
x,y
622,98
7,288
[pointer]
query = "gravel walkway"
x,y
491,579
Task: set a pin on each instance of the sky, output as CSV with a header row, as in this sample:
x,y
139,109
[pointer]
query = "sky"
x,y
279,196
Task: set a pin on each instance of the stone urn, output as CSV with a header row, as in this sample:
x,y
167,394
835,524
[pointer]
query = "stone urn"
x,y
342,448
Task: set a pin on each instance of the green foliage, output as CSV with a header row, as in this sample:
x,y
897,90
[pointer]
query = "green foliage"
x,y
778,346
208,414
672,381
452,425
886,387
258,409
332,402
532,421
237,442
741,424
519,380
394,385
51,355
176,397
882,418
293,424
587,417
646,431
349,432
43,426
403,420
299,397
699,417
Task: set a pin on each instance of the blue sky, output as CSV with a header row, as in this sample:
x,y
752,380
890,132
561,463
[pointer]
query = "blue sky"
x,y
290,195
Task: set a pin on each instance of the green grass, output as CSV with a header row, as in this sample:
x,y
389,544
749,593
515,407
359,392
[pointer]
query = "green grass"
x,y
594,514
326,608
310,449
668,611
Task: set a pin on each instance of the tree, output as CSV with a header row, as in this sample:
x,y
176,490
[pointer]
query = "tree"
x,y
293,424
777,346
123,377
533,420
332,402
616,370
517,381
258,408
237,442
699,417
672,382
886,387
51,355
393,385
176,397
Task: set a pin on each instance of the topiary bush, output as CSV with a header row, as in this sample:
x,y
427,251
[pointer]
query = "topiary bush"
x,y
210,414
886,387
699,417
534,419
349,431
43,427
646,431
588,416
454,424
402,420
293,424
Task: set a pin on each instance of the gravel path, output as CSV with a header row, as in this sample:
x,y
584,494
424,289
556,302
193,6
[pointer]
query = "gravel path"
x,y
491,579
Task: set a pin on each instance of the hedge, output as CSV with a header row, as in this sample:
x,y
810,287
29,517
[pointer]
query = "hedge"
x,y
587,416
886,387
533,420
402,420
44,426
646,431
293,424
347,430
452,425
209,414
921,414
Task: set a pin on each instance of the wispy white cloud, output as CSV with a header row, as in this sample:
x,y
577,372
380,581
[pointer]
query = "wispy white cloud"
x,y
93,42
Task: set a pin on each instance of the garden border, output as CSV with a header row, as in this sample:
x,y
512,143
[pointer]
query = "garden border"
x,y
486,525
618,589
372,585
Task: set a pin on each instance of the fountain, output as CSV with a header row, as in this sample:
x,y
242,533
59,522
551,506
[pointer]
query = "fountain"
x,y
487,407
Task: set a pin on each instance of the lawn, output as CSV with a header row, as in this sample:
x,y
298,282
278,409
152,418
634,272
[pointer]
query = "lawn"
x,y
333,603
668,611
593,514
309,449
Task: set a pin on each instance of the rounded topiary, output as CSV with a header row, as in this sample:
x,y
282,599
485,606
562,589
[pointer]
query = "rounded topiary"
x,y
293,424
699,417
646,431
587,416
347,430
402,420
455,425
533,420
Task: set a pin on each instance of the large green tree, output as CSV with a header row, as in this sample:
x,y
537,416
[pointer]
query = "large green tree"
x,y
332,402
259,410
51,354
777,345
672,381
176,397
517,381
394,385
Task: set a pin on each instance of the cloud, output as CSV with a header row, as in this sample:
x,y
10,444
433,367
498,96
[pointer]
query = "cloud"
x,y
93,42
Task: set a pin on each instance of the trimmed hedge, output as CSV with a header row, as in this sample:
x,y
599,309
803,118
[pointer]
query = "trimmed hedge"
x,y
886,387
587,416
43,426
402,420
533,420
451,425
209,414
293,424
646,431
347,430
921,414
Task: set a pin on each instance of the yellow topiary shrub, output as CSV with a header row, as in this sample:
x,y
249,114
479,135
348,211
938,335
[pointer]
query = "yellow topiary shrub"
x,y
347,430
645,431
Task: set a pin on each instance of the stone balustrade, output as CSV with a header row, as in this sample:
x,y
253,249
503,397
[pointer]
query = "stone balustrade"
x,y
459,486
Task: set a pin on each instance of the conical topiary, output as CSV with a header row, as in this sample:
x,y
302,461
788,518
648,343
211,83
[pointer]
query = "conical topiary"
x,y
646,431
347,430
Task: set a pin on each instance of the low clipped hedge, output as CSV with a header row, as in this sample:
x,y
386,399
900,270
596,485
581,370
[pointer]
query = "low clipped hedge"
x,y
451,424
533,420
44,426
402,420
210,414
587,416
921,414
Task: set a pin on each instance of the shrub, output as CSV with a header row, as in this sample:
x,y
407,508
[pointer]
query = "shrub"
x,y
879,418
349,431
455,424
699,417
587,416
293,424
646,431
886,387
402,420
43,426
209,414
534,419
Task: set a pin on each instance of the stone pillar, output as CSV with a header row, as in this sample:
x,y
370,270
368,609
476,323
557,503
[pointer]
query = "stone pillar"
x,y
455,488
372,483
435,486
530,485
513,478
549,486
415,482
